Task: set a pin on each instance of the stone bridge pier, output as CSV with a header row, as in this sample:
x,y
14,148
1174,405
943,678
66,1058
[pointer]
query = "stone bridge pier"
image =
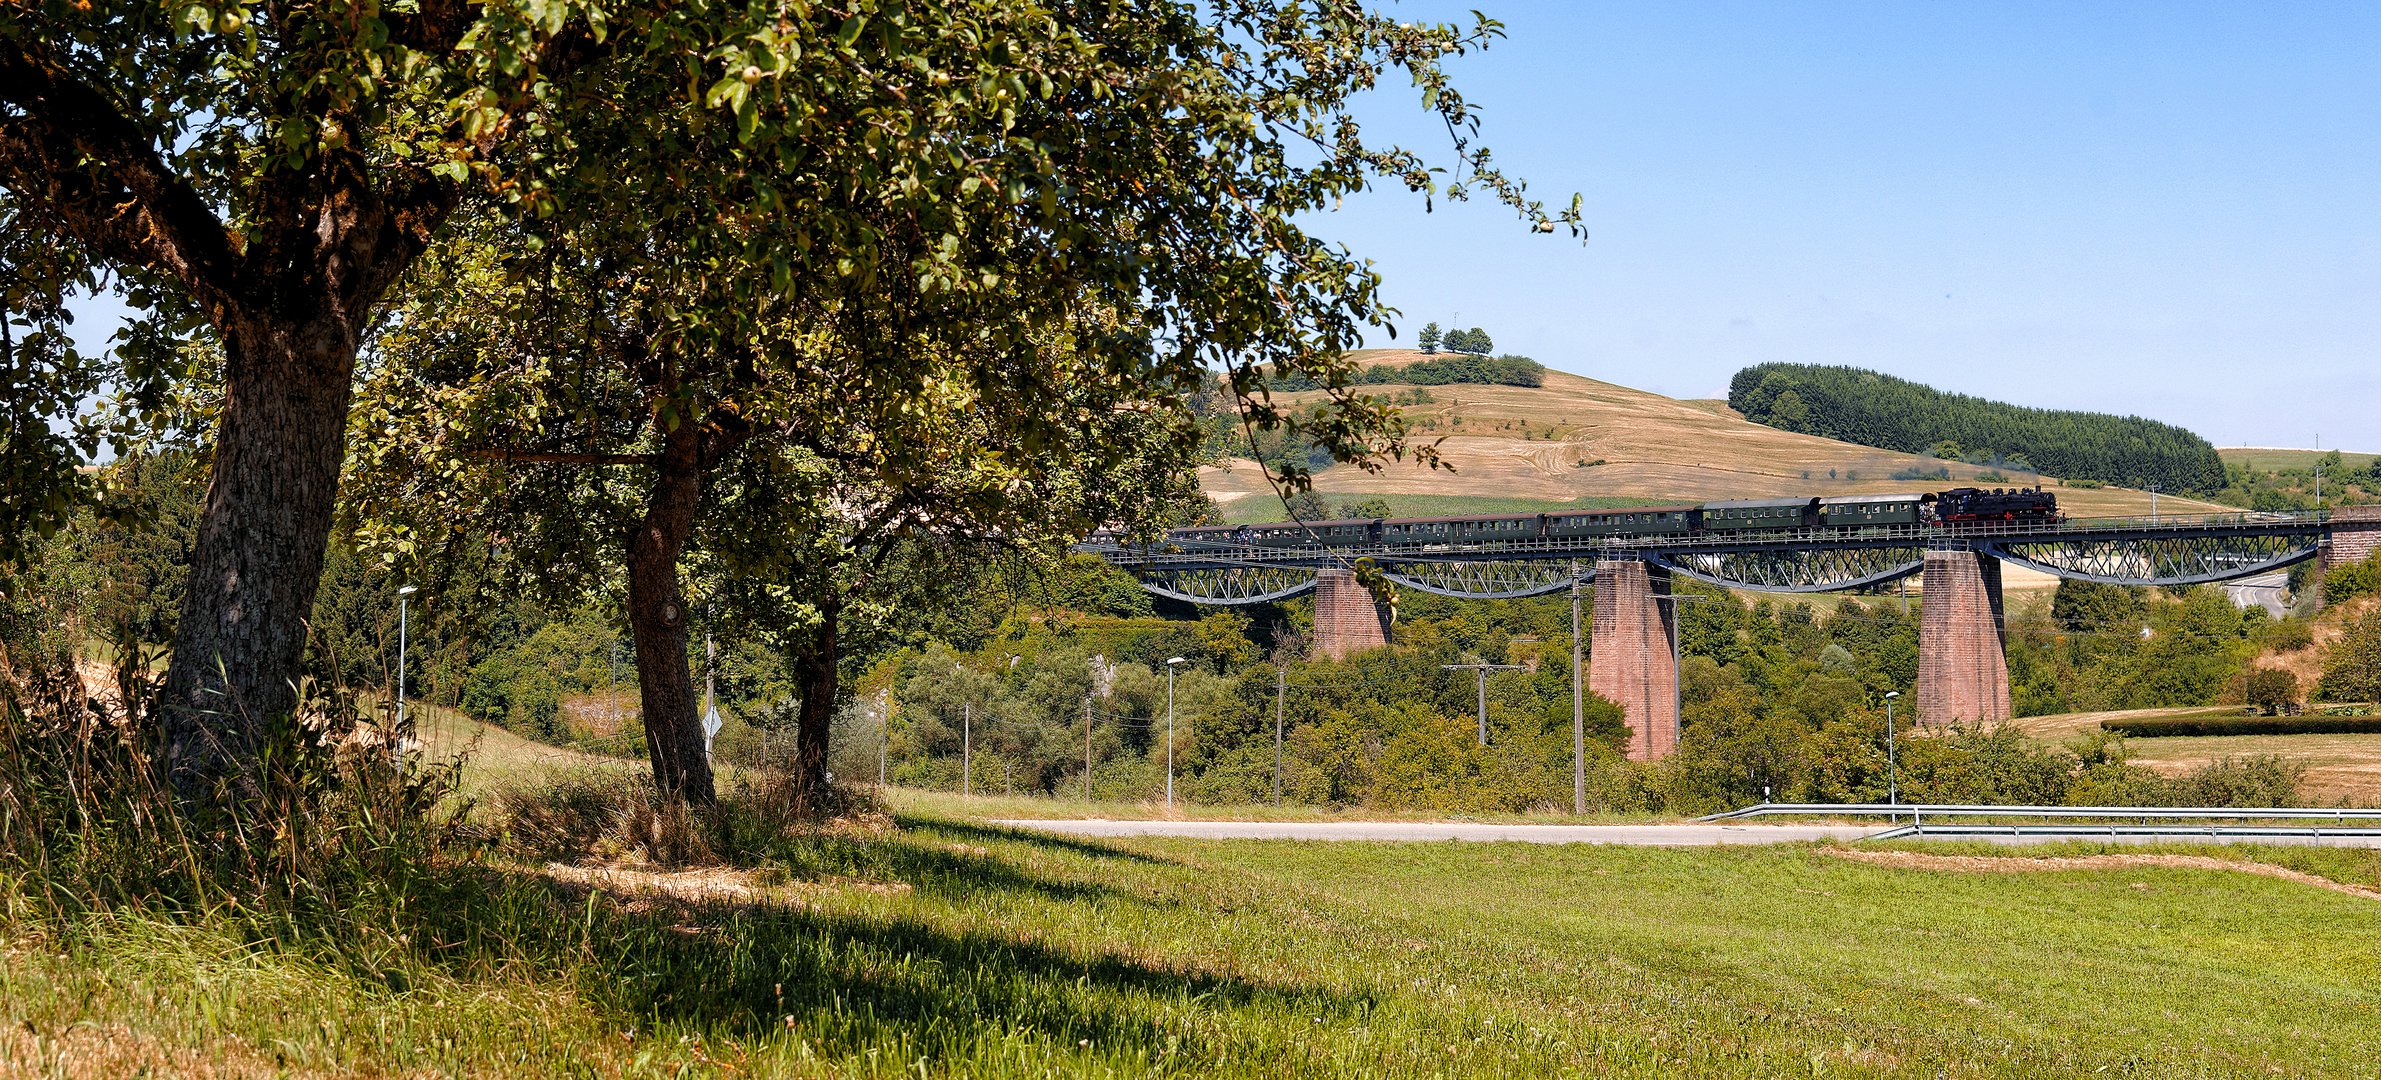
x,y
1634,662
1963,663
1347,618
2355,534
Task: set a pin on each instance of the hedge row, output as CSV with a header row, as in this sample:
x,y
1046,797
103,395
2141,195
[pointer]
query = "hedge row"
x,y
2149,727
1437,371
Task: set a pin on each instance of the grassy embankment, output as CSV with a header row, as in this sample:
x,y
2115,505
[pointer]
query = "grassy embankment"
x,y
937,946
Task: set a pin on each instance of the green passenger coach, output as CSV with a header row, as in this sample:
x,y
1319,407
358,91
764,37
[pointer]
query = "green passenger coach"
x,y
1761,514
1852,511
1631,521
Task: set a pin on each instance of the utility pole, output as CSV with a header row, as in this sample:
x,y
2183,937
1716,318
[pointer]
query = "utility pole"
x,y
1170,730
1578,706
884,732
1892,767
1281,687
967,750
1678,694
1482,671
1087,748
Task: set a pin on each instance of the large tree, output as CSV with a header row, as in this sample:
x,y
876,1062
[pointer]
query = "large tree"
x,y
998,241
259,176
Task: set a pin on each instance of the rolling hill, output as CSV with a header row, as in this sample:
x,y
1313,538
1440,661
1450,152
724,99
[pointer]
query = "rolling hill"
x,y
1519,448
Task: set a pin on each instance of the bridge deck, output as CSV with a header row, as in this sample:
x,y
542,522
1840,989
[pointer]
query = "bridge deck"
x,y
2310,525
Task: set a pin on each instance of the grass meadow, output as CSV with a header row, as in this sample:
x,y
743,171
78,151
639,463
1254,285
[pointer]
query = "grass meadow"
x,y
929,944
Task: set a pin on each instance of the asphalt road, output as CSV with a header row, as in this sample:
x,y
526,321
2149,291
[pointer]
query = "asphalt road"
x,y
1641,835
1685,835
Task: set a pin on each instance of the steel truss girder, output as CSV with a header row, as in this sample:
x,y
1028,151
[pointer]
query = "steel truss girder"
x,y
1481,579
1230,585
2172,560
1795,570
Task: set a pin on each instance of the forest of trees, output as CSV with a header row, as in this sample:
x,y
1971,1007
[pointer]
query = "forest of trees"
x,y
1874,409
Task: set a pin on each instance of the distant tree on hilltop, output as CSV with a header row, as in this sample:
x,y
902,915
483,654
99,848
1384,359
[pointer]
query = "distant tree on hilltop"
x,y
1430,339
1474,341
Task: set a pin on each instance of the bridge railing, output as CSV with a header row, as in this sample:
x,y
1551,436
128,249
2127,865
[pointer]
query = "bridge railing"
x,y
1596,546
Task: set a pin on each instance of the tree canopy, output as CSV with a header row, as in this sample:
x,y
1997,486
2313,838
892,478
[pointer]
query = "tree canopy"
x,y
1873,409
257,180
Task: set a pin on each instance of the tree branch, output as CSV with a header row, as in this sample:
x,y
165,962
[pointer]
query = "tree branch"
x,y
541,457
76,154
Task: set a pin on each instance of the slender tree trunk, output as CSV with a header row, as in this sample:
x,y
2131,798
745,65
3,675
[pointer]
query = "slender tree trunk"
x,y
657,620
259,551
815,670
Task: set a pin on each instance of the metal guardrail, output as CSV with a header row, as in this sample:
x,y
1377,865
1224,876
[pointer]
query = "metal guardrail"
x,y
1920,811
2113,831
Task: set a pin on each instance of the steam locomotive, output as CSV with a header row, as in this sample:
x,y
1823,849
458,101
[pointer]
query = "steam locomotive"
x,y
1952,507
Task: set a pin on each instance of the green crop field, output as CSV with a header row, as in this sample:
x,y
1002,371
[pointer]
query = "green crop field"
x,y
942,947
2257,457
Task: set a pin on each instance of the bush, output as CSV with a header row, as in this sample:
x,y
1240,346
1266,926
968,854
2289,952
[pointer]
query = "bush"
x,y
2288,635
2271,689
2352,669
2344,583
2263,780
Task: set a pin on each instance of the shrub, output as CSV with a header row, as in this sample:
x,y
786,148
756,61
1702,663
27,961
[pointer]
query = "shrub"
x,y
2288,635
2263,780
2352,669
2344,583
2271,689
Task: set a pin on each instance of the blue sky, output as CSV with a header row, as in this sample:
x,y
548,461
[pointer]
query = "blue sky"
x,y
2166,209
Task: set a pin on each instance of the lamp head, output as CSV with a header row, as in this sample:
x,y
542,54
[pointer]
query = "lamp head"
x,y
407,591
1173,660
1891,694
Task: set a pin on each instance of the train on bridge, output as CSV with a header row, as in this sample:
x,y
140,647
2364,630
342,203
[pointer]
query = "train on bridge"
x,y
1951,507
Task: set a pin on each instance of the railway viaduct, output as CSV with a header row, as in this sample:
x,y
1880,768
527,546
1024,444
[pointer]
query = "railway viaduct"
x,y
1963,671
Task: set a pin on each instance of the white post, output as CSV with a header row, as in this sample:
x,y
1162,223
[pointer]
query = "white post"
x,y
967,750
402,595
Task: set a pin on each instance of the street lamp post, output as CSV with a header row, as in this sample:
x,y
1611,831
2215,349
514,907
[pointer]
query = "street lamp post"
x,y
1170,662
402,594
1892,766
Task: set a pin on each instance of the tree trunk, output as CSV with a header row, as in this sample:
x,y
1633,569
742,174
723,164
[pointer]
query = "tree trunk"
x,y
259,551
815,671
657,620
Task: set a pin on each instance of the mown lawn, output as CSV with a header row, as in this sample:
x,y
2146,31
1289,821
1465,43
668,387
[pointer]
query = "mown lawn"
x,y
947,948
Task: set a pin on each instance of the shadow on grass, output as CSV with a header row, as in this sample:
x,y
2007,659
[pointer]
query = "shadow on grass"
x,y
1027,835
851,982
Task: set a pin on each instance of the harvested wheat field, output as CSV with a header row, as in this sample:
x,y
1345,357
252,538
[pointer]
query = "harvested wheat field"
x,y
1577,437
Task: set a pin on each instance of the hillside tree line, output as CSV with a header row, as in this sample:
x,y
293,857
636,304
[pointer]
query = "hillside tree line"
x,y
1873,409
